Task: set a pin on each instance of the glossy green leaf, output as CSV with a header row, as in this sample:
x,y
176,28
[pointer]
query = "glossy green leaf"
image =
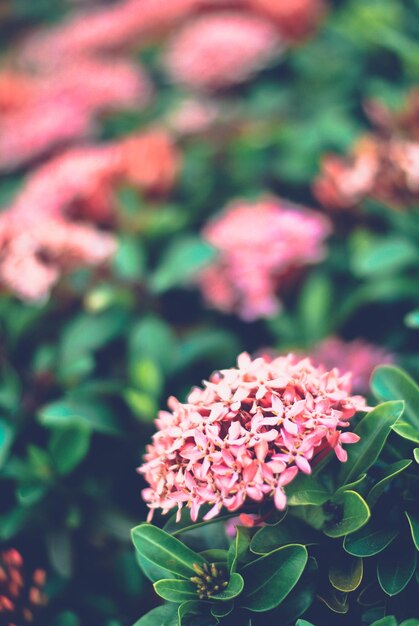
x,y
233,589
291,530
373,431
165,615
396,566
303,622
161,548
215,555
414,621
174,590
151,570
389,620
416,454
391,472
414,527
345,572
239,547
222,609
389,382
270,578
407,431
187,611
68,447
185,257
301,597
355,514
185,524
371,539
306,490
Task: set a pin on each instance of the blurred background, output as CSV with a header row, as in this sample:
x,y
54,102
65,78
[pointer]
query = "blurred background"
x,y
181,180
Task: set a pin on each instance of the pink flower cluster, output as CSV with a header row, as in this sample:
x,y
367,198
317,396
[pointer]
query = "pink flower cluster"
x,y
52,226
247,434
59,105
259,244
358,357
220,49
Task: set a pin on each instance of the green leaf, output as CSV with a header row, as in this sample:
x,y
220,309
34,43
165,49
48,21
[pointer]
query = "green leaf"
x,y
396,566
270,578
239,548
301,597
222,609
184,258
384,256
152,571
407,431
86,411
143,406
414,527
68,447
129,261
410,622
345,572
416,454
86,333
188,609
391,472
335,600
306,490
370,540
373,431
161,548
389,382
291,530
233,589
314,306
151,338
165,615
390,620
215,555
6,440
412,319
176,590
355,514
303,622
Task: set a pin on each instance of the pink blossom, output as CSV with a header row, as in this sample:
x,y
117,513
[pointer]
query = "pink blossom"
x,y
21,595
258,245
221,49
59,107
358,357
294,18
246,434
53,225
125,24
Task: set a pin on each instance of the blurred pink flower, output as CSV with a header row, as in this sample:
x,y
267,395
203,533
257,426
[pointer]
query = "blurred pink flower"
x,y
386,169
221,49
294,18
58,107
258,245
247,434
119,26
52,226
357,357
193,116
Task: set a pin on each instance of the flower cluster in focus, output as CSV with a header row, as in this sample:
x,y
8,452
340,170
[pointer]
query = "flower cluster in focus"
x,y
259,244
246,434
20,598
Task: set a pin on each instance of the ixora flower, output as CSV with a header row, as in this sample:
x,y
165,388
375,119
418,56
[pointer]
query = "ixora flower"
x,y
247,434
221,49
20,596
259,246
294,18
